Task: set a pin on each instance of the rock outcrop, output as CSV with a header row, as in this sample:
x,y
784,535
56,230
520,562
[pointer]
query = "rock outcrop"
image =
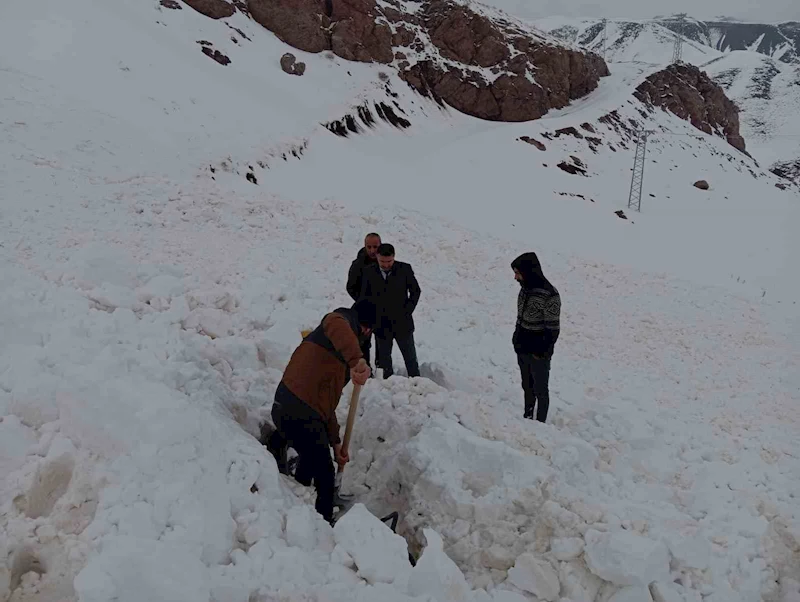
x,y
488,67
789,170
291,65
215,9
692,95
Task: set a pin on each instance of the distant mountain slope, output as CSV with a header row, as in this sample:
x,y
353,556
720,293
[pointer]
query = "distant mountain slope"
x,y
768,94
756,71
779,41
627,41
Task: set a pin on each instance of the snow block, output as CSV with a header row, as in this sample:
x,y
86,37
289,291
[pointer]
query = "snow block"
x,y
211,322
665,592
500,595
624,558
632,593
380,554
131,569
300,530
50,483
536,576
693,552
498,557
567,548
162,285
436,575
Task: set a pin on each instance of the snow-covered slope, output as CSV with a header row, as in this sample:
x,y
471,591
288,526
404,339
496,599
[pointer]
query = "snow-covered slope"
x,y
777,41
627,41
768,93
152,293
766,90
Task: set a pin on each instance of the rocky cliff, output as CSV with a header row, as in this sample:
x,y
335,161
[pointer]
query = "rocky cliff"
x,y
692,95
481,63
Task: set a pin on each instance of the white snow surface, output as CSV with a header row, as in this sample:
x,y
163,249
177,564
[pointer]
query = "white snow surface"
x,y
150,305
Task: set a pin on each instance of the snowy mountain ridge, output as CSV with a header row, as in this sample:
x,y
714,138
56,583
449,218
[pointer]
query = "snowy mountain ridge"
x,y
171,221
766,90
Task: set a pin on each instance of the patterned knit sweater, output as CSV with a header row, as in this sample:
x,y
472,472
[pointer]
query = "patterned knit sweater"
x,y
538,321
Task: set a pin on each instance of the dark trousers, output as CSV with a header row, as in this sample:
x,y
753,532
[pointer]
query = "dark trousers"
x,y
535,383
366,345
383,353
299,426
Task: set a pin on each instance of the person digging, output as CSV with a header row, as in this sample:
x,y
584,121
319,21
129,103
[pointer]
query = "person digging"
x,y
304,411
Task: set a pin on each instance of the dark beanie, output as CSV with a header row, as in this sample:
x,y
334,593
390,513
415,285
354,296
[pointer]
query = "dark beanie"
x,y
367,314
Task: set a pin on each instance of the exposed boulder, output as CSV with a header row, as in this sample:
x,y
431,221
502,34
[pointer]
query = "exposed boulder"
x,y
291,65
569,131
215,9
575,168
534,142
173,4
216,55
701,184
692,95
486,67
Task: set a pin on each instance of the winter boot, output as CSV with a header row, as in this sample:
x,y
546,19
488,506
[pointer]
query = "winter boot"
x,y
278,447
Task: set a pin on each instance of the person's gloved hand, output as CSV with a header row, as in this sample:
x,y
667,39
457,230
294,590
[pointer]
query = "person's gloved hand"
x,y
340,455
360,374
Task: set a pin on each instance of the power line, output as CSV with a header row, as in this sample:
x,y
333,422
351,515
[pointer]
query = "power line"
x,y
677,51
637,179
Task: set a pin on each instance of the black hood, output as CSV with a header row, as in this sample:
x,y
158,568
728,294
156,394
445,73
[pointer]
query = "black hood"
x,y
528,265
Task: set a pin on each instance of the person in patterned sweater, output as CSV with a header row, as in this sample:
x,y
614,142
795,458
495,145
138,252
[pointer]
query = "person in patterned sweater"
x,y
536,333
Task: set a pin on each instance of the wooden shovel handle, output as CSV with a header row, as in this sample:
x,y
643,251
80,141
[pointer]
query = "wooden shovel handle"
x,y
351,418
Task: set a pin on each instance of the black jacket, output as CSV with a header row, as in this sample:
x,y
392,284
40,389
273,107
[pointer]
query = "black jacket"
x,y
396,298
354,276
538,309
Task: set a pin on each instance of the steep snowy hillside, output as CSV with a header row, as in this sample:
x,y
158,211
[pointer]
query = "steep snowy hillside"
x,y
178,203
768,93
627,41
777,41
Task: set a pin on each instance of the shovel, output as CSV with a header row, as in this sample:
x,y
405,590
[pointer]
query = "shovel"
x,y
338,498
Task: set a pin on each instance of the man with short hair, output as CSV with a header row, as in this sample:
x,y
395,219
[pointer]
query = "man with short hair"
x,y
394,289
367,256
304,411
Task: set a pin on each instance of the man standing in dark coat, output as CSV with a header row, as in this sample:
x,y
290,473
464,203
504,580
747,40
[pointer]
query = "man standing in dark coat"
x,y
367,256
538,327
394,289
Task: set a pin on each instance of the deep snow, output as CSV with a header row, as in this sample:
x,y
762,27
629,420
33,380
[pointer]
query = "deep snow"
x,y
150,305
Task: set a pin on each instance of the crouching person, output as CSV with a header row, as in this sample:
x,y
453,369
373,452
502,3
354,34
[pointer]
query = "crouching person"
x,y
304,411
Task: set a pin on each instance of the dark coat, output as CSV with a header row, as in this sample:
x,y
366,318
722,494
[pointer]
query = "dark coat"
x,y
538,310
354,276
396,298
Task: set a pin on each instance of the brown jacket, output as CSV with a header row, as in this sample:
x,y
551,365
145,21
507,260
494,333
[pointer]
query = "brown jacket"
x,y
316,375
